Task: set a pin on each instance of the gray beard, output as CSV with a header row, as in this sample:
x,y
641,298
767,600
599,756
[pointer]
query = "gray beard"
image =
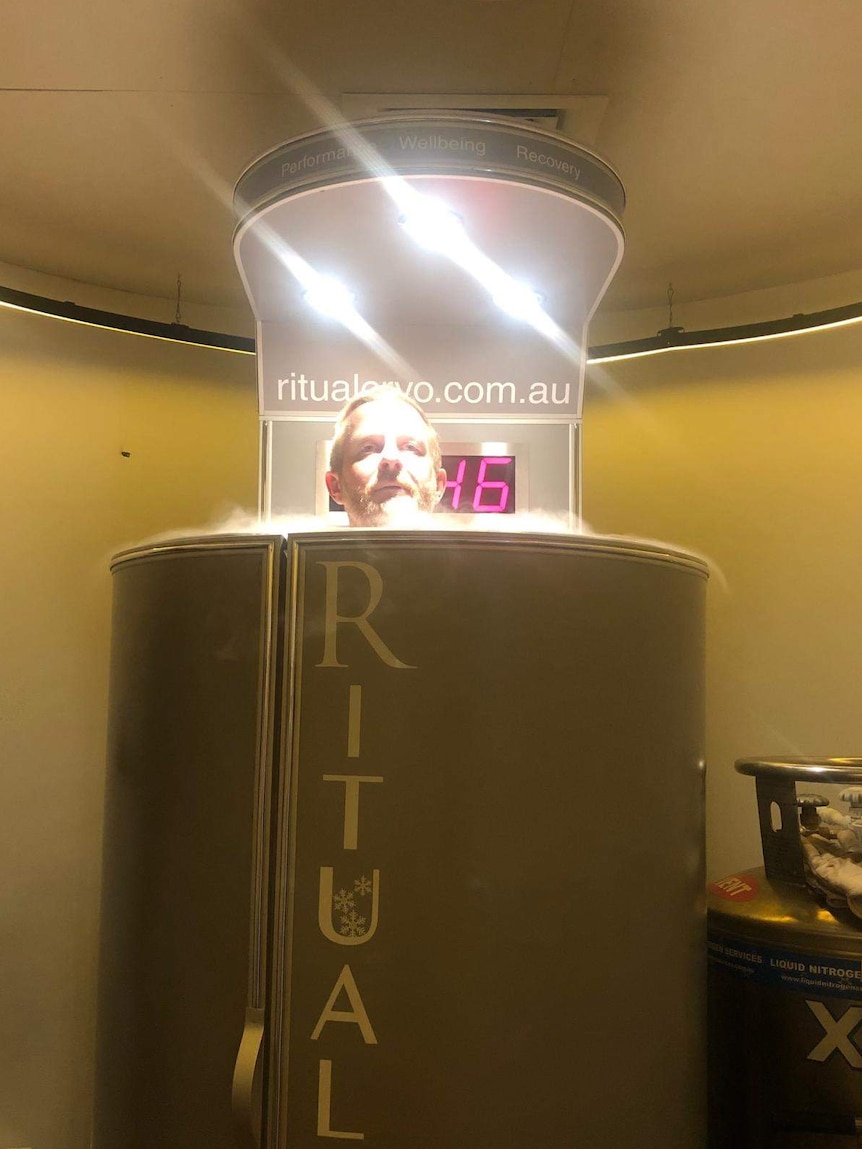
x,y
393,512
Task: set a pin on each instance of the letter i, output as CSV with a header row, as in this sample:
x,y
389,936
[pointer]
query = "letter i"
x,y
354,721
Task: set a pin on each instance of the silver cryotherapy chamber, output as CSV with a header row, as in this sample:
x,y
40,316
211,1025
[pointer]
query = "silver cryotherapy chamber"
x,y
404,829
404,844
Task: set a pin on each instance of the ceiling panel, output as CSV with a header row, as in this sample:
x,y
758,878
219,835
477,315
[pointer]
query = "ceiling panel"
x,y
735,127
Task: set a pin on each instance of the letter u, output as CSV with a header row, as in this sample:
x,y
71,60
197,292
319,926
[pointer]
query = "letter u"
x,y
324,912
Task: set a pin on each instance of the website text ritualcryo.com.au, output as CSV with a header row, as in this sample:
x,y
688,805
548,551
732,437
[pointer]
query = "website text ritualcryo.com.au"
x,y
299,388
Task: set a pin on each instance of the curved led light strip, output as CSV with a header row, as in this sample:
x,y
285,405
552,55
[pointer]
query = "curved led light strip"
x,y
670,339
678,339
132,325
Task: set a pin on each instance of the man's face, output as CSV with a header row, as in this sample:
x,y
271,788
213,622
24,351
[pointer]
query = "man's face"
x,y
387,474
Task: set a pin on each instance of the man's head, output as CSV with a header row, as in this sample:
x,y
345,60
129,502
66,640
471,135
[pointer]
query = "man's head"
x,y
384,467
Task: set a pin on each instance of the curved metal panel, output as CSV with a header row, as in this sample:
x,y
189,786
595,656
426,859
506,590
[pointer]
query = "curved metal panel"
x,y
194,657
488,892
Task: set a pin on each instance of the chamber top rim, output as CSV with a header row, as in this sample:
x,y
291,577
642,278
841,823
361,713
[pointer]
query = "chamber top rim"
x,y
612,546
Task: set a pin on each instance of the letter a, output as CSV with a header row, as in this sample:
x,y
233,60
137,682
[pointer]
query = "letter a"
x,y
360,621
357,1014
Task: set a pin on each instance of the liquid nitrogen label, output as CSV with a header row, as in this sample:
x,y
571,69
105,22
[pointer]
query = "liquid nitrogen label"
x,y
801,971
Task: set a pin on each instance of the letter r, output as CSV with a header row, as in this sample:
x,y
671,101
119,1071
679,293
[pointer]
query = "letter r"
x,y
332,618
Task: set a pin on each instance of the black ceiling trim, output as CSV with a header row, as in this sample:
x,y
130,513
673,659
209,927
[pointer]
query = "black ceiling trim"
x,y
177,332
669,339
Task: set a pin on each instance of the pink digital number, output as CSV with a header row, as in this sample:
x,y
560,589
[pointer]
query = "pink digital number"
x,y
456,484
483,484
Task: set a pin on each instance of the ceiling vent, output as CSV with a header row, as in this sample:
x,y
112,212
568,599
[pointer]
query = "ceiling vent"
x,y
578,117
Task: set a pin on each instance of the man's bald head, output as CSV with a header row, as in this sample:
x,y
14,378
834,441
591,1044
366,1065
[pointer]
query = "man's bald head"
x,y
387,395
384,466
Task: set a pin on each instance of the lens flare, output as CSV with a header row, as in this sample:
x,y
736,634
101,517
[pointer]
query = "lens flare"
x,y
434,226
519,300
329,296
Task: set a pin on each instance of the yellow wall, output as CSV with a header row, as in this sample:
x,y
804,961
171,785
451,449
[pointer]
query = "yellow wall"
x,y
749,454
71,400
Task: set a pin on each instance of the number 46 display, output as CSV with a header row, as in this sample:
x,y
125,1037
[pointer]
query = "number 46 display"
x,y
479,484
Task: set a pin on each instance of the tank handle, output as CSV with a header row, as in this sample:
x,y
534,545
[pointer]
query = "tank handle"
x,y
840,770
775,780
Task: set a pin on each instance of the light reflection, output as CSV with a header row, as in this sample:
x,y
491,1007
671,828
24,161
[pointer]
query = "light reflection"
x,y
308,279
454,243
433,225
329,296
519,300
408,201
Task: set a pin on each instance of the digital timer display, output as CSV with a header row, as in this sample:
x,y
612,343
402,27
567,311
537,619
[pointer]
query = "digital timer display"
x,y
482,478
478,485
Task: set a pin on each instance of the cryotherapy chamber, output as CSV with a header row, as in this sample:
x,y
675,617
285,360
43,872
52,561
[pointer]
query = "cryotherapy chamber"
x,y
404,829
428,810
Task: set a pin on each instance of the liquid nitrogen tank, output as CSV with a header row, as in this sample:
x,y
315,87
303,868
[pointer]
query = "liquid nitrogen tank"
x,y
404,844
785,977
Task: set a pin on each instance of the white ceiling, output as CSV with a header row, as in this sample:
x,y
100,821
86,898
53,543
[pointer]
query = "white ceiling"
x,y
736,127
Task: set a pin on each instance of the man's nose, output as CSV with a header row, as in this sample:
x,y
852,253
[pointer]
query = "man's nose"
x,y
390,455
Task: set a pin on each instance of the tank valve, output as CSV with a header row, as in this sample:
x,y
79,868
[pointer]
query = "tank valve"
x,y
851,838
808,806
853,795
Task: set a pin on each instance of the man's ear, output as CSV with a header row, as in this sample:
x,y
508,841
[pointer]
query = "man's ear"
x,y
441,484
333,485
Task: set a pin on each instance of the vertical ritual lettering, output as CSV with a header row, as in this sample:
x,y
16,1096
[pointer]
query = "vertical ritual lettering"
x,y
357,919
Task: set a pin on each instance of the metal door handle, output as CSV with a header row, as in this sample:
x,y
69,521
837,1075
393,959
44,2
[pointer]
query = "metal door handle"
x,y
246,1091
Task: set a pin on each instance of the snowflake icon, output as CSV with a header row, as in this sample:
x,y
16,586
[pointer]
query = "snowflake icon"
x,y
352,925
343,901
362,886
